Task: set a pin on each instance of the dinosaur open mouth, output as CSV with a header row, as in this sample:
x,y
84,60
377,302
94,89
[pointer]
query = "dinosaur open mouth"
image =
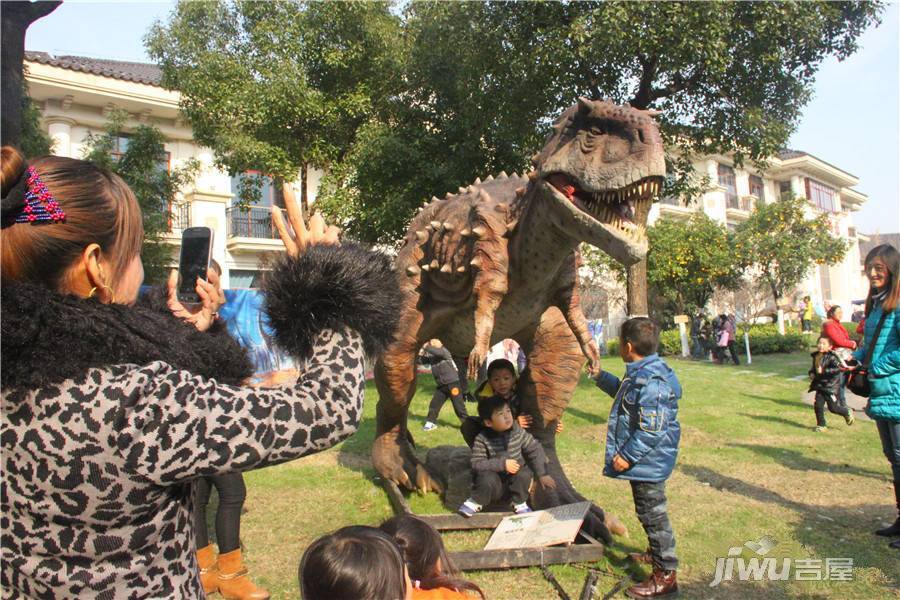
x,y
625,208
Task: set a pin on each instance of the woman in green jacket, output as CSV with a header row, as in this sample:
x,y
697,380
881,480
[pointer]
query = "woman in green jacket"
x,y
883,271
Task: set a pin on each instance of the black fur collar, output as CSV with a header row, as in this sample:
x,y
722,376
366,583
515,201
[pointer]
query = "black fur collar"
x,y
48,338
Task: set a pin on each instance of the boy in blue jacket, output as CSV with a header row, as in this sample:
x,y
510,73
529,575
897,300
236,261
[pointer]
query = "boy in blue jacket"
x,y
642,445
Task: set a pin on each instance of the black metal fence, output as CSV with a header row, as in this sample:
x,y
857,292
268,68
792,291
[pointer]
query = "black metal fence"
x,y
253,222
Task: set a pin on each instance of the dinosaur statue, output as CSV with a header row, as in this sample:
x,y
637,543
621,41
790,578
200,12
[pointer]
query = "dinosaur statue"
x,y
506,248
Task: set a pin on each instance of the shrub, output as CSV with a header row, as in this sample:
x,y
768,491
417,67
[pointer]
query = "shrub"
x,y
764,339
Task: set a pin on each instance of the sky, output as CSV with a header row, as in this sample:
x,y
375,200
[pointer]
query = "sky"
x,y
851,122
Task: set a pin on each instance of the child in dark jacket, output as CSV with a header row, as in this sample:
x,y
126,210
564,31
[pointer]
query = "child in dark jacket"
x,y
826,383
504,457
642,444
446,381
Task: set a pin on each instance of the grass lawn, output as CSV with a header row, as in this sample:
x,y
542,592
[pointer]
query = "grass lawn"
x,y
750,465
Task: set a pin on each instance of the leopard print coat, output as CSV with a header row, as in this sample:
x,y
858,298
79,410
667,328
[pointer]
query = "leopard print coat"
x,y
108,412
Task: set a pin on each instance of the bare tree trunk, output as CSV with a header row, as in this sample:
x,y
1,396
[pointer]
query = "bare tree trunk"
x,y
304,192
636,283
16,17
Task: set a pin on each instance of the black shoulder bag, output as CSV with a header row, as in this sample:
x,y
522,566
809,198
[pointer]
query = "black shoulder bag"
x,y
858,381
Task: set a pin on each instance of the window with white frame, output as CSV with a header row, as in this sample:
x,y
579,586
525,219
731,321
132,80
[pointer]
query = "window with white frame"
x,y
820,195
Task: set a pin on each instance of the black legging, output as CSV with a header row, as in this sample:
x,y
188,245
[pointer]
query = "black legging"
x,y
232,493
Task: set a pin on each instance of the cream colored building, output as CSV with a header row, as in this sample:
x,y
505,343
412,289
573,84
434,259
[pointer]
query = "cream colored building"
x,y
75,96
734,191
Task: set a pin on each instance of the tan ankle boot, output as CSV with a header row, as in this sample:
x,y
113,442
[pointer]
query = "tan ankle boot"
x,y
206,559
233,579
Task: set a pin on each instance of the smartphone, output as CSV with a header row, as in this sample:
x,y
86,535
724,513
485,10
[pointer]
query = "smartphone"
x,y
196,250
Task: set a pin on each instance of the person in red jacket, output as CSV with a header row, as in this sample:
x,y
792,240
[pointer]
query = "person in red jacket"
x,y
841,342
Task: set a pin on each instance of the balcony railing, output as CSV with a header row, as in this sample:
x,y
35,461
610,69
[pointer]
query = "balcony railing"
x,y
743,203
253,222
179,217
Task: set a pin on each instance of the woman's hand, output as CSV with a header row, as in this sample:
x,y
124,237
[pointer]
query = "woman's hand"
x,y
202,315
303,237
524,421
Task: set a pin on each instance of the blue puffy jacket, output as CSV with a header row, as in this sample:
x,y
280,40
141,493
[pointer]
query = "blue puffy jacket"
x,y
643,421
884,370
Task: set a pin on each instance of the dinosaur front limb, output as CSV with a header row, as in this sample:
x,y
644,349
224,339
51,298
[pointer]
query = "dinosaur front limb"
x,y
568,300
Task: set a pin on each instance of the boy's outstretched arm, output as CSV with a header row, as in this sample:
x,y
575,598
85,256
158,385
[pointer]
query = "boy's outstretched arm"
x,y
608,382
654,405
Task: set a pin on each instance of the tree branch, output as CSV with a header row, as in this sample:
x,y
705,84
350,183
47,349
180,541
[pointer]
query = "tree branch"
x,y
42,9
643,97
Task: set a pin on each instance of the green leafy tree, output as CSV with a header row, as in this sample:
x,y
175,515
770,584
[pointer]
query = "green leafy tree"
x,y
143,167
781,245
278,87
34,140
483,78
688,261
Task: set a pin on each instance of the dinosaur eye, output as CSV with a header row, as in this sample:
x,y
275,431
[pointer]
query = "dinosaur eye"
x,y
597,130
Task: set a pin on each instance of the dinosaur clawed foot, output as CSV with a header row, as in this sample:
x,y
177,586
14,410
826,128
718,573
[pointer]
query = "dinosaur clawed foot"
x,y
394,460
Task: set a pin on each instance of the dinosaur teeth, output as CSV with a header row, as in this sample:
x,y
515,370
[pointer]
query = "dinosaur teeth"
x,y
448,226
479,230
446,268
436,225
465,232
433,264
476,262
412,270
421,236
460,269
426,268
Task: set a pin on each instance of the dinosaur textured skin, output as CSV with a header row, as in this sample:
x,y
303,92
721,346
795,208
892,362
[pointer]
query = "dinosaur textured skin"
x,y
498,259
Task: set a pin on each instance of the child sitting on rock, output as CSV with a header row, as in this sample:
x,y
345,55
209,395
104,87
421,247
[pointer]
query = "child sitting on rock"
x,y
504,456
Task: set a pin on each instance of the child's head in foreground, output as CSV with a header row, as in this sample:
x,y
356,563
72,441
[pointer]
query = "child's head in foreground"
x,y
824,344
354,563
426,558
501,376
495,413
639,337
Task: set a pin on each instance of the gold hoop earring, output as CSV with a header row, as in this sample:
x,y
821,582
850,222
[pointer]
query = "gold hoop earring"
x,y
112,294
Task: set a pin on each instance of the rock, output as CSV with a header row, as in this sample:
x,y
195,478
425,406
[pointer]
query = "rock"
x,y
450,465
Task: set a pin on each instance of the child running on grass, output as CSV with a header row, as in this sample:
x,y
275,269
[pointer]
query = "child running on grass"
x,y
433,574
826,383
642,445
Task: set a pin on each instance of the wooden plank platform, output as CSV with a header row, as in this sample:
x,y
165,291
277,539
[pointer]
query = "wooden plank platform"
x,y
526,557
482,520
496,559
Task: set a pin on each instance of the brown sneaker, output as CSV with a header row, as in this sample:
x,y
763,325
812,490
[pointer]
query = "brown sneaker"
x,y
661,583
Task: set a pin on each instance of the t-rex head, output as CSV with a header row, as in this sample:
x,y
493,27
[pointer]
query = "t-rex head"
x,y
599,171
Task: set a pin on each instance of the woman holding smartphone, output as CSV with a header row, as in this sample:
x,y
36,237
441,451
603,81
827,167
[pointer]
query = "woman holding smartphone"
x,y
110,409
